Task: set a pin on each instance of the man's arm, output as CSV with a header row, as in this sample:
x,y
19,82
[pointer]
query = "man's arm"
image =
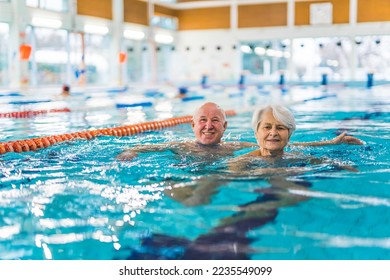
x,y
343,138
133,152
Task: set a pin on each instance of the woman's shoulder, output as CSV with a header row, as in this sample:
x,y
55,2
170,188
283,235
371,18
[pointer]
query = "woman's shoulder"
x,y
255,153
248,156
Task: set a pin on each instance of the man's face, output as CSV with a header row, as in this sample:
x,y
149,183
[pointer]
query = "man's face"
x,y
209,124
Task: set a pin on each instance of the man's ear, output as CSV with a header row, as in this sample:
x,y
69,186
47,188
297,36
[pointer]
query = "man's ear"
x,y
225,125
192,125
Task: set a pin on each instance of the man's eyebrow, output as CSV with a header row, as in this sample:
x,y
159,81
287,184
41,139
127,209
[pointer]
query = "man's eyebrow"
x,y
213,117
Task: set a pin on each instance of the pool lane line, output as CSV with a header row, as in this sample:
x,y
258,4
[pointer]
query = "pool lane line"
x,y
33,144
251,109
29,114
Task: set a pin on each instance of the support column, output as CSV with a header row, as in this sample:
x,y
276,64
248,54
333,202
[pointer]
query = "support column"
x,y
352,21
72,12
290,26
152,44
18,70
116,43
237,66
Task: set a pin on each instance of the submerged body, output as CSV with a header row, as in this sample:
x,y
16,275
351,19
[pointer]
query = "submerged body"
x,y
229,240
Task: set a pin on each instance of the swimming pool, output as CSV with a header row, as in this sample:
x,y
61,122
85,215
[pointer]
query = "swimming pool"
x,y
73,200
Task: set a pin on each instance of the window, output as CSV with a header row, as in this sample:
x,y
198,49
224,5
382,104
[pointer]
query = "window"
x,y
51,5
265,58
373,55
50,56
97,57
164,22
4,34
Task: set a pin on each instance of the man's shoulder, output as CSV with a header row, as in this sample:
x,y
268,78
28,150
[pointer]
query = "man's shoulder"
x,y
188,145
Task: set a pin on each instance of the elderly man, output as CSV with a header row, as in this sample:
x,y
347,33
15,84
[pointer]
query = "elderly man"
x,y
209,124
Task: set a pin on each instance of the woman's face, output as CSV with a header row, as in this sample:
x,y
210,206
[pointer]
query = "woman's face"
x,y
272,135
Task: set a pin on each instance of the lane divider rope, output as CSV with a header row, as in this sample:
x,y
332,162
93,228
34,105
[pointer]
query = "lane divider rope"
x,y
29,114
33,144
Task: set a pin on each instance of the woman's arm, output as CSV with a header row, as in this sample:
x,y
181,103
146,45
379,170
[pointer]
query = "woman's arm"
x,y
248,145
343,138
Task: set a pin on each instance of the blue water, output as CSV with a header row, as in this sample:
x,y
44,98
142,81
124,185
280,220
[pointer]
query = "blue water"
x,y
73,200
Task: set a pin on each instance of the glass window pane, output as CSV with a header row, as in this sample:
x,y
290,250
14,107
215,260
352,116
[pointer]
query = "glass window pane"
x,y
373,55
55,5
52,5
265,59
169,23
4,40
50,56
135,54
97,57
32,3
316,56
163,62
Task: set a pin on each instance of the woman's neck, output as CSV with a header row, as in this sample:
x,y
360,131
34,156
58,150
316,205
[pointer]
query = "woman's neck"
x,y
268,153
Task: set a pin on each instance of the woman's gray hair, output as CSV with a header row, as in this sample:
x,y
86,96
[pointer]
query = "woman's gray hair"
x,y
281,113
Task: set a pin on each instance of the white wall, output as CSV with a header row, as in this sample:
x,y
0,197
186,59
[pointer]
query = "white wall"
x,y
218,65
226,64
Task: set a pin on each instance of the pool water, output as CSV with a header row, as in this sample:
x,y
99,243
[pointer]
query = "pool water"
x,y
74,200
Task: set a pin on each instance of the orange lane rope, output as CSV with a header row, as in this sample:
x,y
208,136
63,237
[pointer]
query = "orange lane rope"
x,y
33,144
29,114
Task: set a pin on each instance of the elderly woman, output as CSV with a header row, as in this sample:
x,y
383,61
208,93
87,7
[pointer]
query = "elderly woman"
x,y
273,126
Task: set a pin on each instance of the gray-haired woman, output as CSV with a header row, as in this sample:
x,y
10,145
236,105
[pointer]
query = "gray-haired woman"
x,y
273,126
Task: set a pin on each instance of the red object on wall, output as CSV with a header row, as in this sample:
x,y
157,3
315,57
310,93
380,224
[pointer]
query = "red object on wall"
x,y
122,57
25,52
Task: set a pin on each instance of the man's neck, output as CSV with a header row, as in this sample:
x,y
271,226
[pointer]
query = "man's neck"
x,y
207,145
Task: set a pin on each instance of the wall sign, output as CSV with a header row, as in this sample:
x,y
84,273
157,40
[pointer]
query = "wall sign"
x,y
321,13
